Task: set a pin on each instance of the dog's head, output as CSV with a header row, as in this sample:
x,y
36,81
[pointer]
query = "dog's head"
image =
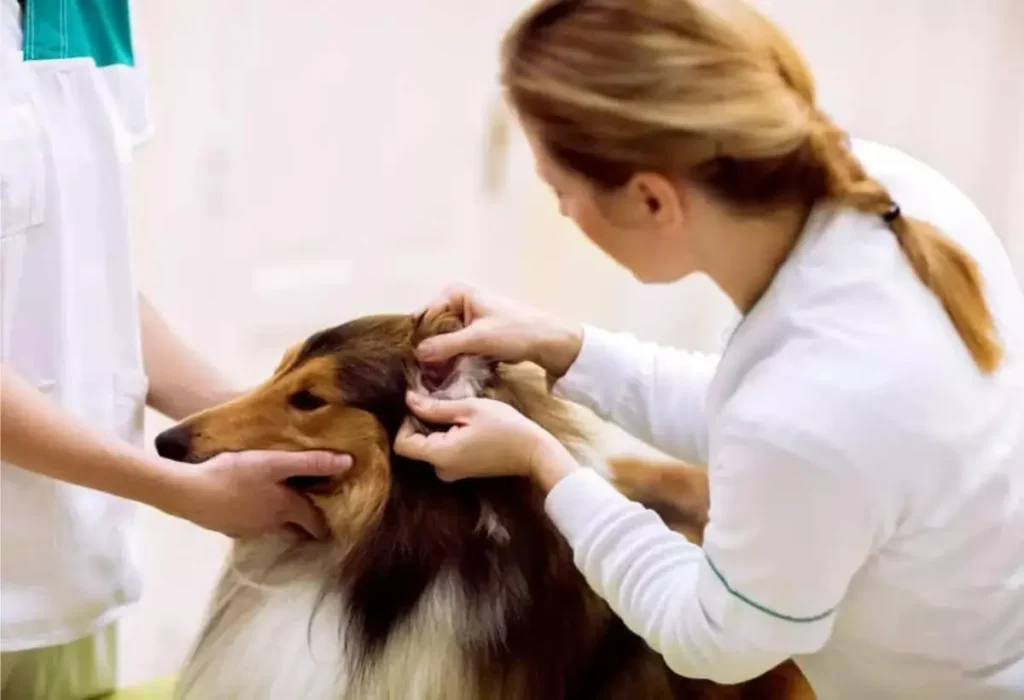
x,y
343,390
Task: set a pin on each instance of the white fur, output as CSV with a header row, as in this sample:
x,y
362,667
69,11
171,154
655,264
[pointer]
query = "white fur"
x,y
490,524
259,644
469,378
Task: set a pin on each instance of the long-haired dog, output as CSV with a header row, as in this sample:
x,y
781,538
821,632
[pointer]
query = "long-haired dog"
x,y
425,590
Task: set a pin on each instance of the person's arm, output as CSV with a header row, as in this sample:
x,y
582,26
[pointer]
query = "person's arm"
x,y
180,381
786,535
237,494
655,393
38,436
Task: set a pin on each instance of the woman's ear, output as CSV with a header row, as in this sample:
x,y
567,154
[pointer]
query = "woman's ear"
x,y
652,201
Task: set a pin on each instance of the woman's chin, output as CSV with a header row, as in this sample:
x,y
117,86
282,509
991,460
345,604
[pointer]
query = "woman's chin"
x,y
660,276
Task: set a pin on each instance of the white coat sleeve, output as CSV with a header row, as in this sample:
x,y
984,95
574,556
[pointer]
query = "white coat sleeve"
x,y
785,537
655,393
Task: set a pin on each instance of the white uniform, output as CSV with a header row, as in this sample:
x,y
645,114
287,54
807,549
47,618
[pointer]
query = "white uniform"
x,y
867,481
71,110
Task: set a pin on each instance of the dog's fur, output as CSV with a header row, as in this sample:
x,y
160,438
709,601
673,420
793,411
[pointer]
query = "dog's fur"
x,y
425,590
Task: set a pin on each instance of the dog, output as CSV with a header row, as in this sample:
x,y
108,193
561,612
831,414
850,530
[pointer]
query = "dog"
x,y
425,590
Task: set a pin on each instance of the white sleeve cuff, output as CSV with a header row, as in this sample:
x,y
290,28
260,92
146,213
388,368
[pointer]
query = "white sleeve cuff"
x,y
598,361
577,500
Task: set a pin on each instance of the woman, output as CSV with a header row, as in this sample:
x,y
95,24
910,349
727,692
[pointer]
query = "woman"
x,y
864,427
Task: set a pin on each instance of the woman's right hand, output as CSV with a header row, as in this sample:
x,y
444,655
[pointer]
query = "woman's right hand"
x,y
503,330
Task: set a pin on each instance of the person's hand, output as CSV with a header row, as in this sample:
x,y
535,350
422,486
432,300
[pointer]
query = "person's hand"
x,y
242,494
503,330
485,438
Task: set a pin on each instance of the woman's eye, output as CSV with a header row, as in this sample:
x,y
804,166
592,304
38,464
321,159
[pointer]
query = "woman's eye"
x,y
306,401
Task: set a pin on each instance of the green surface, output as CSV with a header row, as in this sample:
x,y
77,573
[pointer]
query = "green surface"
x,y
156,689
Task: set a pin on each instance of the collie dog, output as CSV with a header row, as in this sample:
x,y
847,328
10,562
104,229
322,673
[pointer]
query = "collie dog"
x,y
425,590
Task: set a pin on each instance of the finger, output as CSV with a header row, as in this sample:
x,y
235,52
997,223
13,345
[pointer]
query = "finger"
x,y
459,299
451,298
431,448
471,340
302,513
411,444
441,411
284,465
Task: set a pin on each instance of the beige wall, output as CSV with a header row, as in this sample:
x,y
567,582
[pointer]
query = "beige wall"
x,y
315,160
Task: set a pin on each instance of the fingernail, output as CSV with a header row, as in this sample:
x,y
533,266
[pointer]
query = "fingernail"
x,y
344,461
425,350
413,397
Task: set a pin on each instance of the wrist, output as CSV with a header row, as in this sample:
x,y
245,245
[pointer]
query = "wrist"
x,y
163,484
559,348
551,462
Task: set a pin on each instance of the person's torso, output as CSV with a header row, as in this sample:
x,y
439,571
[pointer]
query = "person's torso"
x,y
937,611
72,109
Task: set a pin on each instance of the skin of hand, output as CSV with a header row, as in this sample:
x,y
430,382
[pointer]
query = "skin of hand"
x,y
485,438
503,330
243,494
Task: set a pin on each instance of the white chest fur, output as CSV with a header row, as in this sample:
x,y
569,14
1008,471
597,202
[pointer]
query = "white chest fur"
x,y
264,642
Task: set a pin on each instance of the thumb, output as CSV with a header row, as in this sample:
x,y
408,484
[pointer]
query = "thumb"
x,y
438,411
302,513
470,340
284,465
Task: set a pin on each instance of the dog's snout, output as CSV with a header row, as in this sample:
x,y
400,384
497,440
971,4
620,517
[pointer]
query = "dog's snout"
x,y
175,443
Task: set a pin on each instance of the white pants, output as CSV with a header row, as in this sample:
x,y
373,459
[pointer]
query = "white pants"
x,y
82,669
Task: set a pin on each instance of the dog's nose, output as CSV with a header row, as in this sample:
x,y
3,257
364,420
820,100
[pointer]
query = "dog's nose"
x,y
174,443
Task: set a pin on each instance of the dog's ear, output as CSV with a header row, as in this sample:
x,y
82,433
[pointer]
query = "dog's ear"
x,y
459,377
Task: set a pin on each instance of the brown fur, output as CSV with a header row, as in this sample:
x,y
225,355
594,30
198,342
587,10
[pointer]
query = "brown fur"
x,y
396,527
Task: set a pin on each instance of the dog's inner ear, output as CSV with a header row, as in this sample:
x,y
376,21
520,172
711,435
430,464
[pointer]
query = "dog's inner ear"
x,y
436,375
460,377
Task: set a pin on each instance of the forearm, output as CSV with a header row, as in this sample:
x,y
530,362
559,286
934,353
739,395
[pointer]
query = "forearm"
x,y
657,394
180,381
656,581
39,437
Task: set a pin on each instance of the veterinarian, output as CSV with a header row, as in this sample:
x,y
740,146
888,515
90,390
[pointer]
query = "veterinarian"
x,y
77,345
864,426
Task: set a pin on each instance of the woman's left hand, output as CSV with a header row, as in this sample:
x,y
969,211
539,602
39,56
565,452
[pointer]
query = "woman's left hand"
x,y
485,438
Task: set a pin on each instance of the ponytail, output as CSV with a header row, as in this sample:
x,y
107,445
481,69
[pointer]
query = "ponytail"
x,y
953,277
938,261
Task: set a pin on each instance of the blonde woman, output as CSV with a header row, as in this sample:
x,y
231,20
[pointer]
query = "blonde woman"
x,y
864,427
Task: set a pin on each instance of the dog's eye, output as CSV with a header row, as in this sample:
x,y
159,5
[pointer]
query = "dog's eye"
x,y
306,401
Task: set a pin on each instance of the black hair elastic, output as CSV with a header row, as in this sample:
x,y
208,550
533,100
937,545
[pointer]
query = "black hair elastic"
x,y
892,214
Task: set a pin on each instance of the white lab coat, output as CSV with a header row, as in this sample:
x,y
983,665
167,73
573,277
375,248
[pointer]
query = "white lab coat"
x,y
70,327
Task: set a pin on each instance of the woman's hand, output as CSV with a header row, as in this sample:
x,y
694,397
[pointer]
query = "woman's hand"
x,y
485,438
503,330
243,494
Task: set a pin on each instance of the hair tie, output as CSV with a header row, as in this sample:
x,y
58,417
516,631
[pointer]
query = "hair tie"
x,y
892,214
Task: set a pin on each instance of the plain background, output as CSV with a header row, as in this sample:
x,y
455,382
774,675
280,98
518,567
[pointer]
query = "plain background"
x,y
318,160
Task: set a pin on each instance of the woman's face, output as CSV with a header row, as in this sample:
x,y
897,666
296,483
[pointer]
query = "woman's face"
x,y
640,225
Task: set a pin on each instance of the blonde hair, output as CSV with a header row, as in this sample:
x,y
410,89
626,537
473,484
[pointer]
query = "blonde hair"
x,y
714,91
